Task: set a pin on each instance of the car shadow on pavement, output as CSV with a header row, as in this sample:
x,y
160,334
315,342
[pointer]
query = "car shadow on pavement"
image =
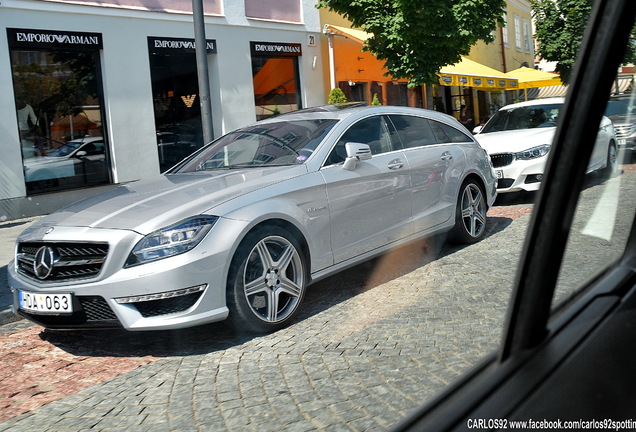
x,y
319,297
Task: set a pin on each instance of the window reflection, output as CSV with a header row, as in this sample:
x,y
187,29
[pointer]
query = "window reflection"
x,y
275,85
59,116
607,202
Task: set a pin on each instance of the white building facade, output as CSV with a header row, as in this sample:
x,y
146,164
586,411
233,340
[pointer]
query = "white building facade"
x,y
106,92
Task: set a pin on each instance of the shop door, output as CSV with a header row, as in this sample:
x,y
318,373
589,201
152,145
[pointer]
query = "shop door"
x,y
177,107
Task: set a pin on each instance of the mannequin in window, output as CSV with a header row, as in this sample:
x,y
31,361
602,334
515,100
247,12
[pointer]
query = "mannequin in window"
x,y
27,120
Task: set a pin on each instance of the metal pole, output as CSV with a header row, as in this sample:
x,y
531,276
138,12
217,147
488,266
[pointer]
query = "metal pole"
x,y
202,71
332,63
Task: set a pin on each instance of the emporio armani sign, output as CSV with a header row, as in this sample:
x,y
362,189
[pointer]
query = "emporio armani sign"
x,y
275,49
157,44
57,38
51,39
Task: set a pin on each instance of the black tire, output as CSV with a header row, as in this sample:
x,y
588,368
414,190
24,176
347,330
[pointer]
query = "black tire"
x,y
612,161
470,213
267,281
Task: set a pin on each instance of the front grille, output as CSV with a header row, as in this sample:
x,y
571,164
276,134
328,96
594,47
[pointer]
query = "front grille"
x,y
89,312
166,306
502,159
66,260
623,131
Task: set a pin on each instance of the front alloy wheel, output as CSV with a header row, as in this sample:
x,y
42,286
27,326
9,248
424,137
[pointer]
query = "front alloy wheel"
x,y
612,160
470,220
267,282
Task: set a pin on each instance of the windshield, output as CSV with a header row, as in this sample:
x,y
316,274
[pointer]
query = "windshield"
x,y
66,149
271,144
618,107
527,117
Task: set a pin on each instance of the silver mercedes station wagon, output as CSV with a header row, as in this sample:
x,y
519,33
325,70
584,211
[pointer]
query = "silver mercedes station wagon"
x,y
240,228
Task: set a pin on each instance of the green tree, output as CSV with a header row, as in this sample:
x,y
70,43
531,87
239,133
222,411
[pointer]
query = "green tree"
x,y
375,100
336,96
418,37
560,25
559,30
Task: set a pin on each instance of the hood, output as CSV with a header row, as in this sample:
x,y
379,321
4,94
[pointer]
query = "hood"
x,y
148,205
626,119
515,140
43,160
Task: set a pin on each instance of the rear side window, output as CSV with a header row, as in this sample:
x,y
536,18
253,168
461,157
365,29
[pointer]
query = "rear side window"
x,y
413,131
448,133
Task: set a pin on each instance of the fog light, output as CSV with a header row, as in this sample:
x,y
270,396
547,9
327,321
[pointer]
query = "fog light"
x,y
534,178
160,296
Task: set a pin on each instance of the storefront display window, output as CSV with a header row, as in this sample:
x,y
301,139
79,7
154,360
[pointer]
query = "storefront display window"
x,y
57,87
175,89
276,78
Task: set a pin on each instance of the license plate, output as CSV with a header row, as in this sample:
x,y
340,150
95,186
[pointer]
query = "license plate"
x,y
622,142
45,303
499,174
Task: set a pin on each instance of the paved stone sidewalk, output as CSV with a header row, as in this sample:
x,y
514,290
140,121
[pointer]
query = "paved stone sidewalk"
x,y
371,344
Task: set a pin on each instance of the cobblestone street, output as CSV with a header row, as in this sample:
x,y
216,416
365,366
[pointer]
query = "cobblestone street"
x,y
371,344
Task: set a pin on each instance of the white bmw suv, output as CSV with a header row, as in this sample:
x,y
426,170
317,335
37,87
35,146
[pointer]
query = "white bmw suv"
x,y
518,139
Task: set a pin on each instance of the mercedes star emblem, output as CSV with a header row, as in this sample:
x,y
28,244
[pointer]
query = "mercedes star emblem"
x,y
44,261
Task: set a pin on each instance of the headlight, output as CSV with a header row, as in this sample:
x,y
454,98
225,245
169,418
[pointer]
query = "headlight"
x,y
172,240
533,153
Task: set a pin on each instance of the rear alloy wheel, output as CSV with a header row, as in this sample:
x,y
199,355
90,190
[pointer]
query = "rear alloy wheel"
x,y
470,213
267,281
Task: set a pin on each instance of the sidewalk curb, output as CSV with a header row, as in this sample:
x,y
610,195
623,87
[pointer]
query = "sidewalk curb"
x,y
6,316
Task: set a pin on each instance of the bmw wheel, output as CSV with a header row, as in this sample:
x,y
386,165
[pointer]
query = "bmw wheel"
x,y
470,213
267,281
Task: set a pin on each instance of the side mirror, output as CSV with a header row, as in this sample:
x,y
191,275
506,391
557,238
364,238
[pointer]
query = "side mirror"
x,y
356,152
80,153
477,130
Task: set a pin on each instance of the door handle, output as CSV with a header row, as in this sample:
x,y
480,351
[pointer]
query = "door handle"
x,y
395,164
446,156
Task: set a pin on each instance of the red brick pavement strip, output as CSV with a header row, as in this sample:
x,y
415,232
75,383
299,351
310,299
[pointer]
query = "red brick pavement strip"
x,y
509,212
35,372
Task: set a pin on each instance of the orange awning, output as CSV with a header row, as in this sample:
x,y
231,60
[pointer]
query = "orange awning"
x,y
465,73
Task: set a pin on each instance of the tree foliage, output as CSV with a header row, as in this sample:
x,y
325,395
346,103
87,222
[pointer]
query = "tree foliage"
x,y
559,31
336,96
560,25
418,37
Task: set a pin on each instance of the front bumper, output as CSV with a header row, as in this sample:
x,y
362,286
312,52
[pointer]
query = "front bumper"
x,y
521,175
626,143
181,291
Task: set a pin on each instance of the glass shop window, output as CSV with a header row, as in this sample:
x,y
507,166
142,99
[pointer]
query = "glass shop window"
x,y
58,100
175,90
275,76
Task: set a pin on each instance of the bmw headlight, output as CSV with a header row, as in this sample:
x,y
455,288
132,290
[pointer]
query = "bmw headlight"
x,y
171,240
533,153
